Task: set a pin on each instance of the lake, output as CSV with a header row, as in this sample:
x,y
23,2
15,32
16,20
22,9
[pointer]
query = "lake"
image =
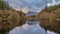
x,y
30,27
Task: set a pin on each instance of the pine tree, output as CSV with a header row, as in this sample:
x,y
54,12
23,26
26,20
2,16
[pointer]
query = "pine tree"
x,y
3,5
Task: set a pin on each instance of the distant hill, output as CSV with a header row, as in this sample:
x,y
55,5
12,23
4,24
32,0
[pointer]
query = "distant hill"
x,y
31,13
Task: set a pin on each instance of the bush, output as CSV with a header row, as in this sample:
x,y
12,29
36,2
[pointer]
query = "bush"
x,y
22,15
8,18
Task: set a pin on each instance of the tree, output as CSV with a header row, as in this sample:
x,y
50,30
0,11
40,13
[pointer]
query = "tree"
x,y
3,5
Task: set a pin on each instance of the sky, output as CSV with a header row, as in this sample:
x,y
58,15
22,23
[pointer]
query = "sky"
x,y
34,5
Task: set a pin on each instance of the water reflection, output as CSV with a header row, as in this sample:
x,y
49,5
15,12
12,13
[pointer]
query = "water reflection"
x,y
30,28
51,26
51,32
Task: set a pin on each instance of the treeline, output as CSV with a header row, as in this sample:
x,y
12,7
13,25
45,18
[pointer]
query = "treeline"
x,y
9,17
51,8
51,13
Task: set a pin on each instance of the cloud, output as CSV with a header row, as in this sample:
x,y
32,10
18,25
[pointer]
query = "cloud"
x,y
54,2
35,5
31,4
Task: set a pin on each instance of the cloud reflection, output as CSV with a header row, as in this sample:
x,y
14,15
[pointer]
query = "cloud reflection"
x,y
28,29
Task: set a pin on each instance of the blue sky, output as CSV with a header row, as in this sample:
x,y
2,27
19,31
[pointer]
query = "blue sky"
x,y
31,4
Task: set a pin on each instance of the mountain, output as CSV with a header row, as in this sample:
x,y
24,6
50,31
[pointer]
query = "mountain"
x,y
31,13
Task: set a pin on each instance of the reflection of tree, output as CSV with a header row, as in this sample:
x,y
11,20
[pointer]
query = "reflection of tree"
x,y
34,16
5,31
51,26
22,21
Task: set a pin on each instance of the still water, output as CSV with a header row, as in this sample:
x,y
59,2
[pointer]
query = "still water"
x,y
30,27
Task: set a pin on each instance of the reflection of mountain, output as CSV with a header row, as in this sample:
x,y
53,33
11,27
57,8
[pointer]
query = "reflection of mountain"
x,y
32,22
31,13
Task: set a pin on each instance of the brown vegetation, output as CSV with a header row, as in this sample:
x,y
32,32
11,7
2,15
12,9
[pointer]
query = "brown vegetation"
x,y
21,14
8,19
51,13
50,18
